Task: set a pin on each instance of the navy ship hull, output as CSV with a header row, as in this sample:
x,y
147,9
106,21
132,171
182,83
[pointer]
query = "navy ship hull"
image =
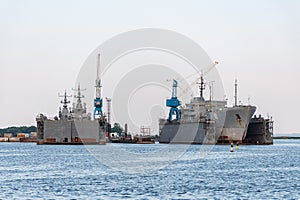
x,y
73,126
236,124
189,133
70,132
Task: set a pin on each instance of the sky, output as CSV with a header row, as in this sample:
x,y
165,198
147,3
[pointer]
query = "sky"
x,y
43,45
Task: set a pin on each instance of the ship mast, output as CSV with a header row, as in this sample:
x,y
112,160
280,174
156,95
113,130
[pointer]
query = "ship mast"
x,y
79,109
235,92
79,96
211,92
201,87
108,109
64,113
65,102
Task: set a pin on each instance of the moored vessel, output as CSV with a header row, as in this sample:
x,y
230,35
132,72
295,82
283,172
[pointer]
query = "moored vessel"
x,y
205,121
236,122
260,131
74,125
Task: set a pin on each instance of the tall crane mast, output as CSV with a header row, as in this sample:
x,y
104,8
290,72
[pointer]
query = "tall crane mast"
x,y
173,102
98,100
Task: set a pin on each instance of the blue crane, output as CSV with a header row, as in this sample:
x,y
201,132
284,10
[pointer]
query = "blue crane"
x,y
98,100
174,103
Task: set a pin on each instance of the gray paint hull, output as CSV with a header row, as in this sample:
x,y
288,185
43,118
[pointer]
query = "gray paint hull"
x,y
232,127
189,133
236,123
67,131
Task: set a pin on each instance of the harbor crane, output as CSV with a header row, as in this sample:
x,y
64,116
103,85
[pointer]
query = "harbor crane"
x,y
173,102
196,81
98,100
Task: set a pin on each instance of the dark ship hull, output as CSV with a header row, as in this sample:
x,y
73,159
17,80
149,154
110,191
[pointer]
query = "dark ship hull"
x,y
260,131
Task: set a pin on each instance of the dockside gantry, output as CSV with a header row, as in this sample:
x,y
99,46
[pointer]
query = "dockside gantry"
x,y
173,102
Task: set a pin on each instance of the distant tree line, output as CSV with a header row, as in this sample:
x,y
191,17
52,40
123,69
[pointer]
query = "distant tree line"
x,y
117,128
14,130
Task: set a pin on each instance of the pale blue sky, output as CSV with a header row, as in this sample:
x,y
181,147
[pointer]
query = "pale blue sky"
x,y
44,43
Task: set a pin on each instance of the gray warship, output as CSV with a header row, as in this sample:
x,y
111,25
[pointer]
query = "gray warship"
x,y
74,125
204,121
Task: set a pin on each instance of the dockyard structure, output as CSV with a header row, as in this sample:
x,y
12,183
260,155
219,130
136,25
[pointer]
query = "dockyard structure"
x,y
85,131
260,131
72,126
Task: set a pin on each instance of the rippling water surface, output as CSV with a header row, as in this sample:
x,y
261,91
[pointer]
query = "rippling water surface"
x,y
30,171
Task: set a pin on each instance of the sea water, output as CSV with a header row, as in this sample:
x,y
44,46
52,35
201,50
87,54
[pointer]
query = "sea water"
x,y
30,171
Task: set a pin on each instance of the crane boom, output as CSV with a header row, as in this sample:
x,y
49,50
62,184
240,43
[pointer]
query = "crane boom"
x,y
98,100
98,80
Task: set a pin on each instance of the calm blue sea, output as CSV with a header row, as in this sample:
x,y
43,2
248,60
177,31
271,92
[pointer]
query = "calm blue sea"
x,y
30,171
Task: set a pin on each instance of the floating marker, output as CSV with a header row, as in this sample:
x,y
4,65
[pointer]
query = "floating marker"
x,y
231,147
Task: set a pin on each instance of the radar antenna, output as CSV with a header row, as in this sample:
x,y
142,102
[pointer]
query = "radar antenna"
x,y
196,80
65,102
201,87
64,113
